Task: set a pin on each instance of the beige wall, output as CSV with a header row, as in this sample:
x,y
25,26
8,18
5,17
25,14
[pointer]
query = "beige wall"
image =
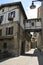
x,y
14,45
18,15
4,26
10,45
8,10
27,46
39,39
40,36
22,19
40,15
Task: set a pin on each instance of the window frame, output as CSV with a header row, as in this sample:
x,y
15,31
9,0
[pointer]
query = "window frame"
x,y
9,30
1,19
11,14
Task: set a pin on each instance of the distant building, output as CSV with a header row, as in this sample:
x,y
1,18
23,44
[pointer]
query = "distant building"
x,y
34,40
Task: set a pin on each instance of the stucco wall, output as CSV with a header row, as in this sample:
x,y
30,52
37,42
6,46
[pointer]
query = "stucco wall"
x,y
8,10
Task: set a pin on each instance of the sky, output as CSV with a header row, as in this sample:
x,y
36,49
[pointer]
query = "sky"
x,y
31,13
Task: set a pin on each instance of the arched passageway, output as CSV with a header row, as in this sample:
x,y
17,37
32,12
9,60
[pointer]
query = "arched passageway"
x,y
32,41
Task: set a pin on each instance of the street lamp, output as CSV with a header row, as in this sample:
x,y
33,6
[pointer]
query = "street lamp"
x,y
34,6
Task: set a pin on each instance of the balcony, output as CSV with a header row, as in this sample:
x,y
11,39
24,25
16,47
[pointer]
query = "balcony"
x,y
10,18
33,25
11,15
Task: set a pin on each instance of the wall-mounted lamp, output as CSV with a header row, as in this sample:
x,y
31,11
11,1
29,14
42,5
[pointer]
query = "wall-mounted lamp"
x,y
34,6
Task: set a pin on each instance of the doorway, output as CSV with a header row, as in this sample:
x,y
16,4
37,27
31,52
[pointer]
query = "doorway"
x,y
5,45
22,48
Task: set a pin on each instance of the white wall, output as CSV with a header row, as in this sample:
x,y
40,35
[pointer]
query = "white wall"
x,y
18,15
8,10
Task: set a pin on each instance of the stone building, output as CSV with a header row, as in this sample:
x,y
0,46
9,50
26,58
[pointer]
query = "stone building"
x,y
40,35
12,16
15,28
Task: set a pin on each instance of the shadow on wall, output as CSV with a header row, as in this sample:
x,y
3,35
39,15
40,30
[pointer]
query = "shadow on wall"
x,y
5,56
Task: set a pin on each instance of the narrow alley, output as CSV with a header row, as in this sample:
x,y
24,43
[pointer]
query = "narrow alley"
x,y
33,57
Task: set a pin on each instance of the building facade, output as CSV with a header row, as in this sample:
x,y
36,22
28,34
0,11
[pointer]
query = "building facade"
x,y
15,29
12,16
35,26
40,35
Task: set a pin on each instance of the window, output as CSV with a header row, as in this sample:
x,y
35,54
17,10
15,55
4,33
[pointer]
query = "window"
x,y
9,31
11,15
32,23
1,19
5,45
0,32
2,10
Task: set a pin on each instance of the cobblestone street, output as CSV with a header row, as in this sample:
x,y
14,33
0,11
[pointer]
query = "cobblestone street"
x,y
33,57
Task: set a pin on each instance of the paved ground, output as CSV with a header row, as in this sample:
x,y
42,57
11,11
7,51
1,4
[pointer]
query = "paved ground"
x,y
33,57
